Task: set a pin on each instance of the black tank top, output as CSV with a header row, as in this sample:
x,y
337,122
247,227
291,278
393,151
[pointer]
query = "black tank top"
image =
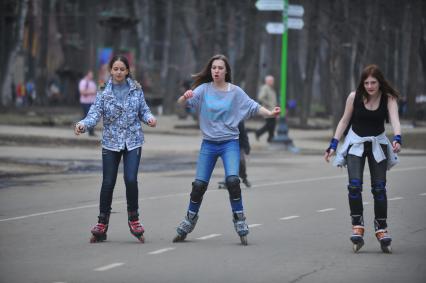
x,y
366,122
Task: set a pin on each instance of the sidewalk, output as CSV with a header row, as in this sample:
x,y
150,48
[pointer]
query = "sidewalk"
x,y
170,130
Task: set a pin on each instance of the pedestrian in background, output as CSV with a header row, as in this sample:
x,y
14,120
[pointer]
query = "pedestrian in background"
x,y
121,105
366,111
267,98
220,106
87,89
244,150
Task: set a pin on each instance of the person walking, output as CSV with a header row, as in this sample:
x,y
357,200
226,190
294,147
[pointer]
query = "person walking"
x,y
366,111
220,106
121,105
244,150
87,89
267,98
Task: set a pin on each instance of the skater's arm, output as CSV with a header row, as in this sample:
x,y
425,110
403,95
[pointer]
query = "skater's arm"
x,y
269,114
396,126
341,126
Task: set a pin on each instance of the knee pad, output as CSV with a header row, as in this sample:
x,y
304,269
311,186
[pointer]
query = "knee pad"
x,y
355,188
198,190
233,184
379,190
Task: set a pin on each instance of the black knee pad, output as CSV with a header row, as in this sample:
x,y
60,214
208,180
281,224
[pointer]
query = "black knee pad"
x,y
355,188
198,190
233,184
379,190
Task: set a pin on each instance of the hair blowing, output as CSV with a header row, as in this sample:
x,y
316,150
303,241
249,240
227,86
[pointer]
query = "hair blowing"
x,y
384,86
205,75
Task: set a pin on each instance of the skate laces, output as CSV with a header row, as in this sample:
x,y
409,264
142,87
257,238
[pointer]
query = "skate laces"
x,y
99,227
136,226
358,230
382,234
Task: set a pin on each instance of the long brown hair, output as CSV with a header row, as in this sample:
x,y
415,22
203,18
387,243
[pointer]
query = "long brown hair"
x,y
384,86
205,75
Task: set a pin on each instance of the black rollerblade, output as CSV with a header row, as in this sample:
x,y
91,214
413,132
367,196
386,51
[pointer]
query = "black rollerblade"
x,y
357,237
241,227
385,240
222,185
246,183
99,231
186,227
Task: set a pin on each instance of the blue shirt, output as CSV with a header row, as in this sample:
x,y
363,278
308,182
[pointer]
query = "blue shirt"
x,y
220,111
122,126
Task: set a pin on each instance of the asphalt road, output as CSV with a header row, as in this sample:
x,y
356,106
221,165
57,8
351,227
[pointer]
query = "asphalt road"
x,y
297,210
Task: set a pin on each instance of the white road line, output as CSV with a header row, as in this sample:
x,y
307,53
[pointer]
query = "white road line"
x,y
304,180
326,209
160,251
422,194
395,198
254,225
109,266
289,217
209,236
365,203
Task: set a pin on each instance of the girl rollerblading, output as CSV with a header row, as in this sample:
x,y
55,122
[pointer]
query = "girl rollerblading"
x,y
122,107
221,106
366,111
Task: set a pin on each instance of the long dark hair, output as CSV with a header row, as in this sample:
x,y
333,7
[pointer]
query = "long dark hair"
x,y
205,75
384,86
123,59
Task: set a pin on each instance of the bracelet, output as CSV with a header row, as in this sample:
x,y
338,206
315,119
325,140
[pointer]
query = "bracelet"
x,y
398,139
333,144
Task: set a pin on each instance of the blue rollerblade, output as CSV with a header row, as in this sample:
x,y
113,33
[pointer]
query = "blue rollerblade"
x,y
241,227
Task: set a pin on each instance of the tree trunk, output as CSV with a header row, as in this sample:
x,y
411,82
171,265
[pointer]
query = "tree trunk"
x,y
6,90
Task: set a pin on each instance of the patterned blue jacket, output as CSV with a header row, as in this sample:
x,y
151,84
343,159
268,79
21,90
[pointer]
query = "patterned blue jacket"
x,y
121,122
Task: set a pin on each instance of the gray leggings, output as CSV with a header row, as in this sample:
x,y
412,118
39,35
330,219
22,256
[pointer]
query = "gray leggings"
x,y
355,167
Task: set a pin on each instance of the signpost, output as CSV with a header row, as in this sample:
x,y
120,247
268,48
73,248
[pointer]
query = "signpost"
x,y
282,28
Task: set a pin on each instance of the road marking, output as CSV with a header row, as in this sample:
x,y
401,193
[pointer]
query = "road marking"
x,y
109,266
365,202
304,180
160,251
422,194
254,225
395,198
326,209
289,217
209,236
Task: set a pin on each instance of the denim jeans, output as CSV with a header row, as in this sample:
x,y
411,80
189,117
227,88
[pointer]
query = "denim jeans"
x,y
228,151
110,163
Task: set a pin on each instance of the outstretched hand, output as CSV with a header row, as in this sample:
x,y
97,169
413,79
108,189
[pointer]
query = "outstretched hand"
x,y
328,154
152,122
188,94
79,129
396,146
276,111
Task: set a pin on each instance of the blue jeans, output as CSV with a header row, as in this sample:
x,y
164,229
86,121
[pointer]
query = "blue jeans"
x,y
110,163
228,151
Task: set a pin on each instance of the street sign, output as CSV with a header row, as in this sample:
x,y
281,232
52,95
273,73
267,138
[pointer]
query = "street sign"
x,y
278,5
278,28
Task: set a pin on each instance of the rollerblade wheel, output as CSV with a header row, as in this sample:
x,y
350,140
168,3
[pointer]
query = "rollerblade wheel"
x,y
386,249
97,239
243,240
357,247
179,238
141,239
